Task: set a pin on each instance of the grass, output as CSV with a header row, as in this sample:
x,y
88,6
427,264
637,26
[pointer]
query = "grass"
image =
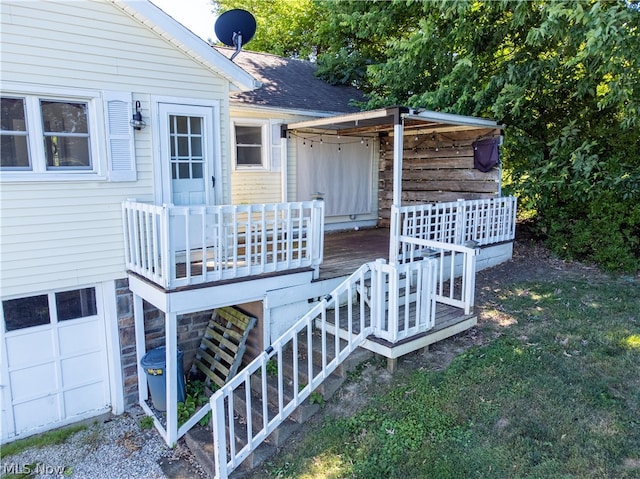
x,y
555,395
57,436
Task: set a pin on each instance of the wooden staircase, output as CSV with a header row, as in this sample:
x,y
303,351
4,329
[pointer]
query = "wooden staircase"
x,y
200,439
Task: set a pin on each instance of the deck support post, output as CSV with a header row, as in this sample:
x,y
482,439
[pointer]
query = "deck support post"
x,y
398,144
171,334
392,365
141,349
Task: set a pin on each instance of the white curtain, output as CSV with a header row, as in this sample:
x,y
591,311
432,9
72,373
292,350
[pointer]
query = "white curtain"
x,y
342,175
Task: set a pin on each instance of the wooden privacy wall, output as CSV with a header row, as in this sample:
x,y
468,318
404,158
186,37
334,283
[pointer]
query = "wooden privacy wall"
x,y
430,176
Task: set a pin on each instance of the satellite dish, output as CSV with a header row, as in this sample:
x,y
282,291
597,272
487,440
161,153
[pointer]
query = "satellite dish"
x,y
235,28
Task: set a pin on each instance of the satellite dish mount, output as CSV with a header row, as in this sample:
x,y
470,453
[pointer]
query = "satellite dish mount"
x,y
235,28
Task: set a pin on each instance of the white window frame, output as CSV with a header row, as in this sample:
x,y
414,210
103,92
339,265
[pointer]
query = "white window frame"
x,y
35,135
265,148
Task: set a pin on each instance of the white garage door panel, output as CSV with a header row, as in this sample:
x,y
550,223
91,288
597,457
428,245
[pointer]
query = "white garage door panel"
x,y
28,349
37,413
80,337
82,370
29,383
79,401
57,372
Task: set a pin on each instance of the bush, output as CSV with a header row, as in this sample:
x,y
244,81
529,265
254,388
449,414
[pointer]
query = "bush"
x,y
605,230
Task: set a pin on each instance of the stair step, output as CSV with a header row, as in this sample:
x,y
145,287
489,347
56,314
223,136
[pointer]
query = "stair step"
x,y
282,432
303,412
200,440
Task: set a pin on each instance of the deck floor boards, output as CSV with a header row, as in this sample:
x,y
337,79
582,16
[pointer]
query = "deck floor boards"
x,y
346,251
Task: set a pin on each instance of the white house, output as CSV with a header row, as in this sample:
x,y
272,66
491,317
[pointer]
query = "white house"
x,y
146,180
73,75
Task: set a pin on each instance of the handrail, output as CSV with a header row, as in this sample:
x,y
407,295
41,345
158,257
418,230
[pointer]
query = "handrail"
x,y
454,261
355,322
338,324
176,246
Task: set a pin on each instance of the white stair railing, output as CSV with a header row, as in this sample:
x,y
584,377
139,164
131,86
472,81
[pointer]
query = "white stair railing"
x,y
273,398
391,302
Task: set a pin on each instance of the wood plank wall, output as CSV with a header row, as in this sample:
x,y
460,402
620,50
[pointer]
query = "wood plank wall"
x,y
430,176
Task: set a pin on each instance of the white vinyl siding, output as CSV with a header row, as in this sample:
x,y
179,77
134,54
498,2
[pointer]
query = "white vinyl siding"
x,y
60,235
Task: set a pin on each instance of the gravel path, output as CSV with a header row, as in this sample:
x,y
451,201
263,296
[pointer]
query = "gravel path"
x,y
115,448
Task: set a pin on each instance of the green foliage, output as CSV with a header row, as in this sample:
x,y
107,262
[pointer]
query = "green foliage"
x,y
272,367
563,76
284,27
57,436
316,398
146,422
196,396
554,395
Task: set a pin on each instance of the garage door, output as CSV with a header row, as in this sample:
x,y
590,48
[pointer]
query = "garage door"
x,y
56,368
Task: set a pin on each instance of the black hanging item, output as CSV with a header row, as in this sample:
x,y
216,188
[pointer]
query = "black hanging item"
x,y
485,154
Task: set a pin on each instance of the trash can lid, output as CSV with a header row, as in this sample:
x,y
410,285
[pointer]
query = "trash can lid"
x,y
157,358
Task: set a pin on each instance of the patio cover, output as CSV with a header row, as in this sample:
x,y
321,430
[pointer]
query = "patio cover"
x,y
395,122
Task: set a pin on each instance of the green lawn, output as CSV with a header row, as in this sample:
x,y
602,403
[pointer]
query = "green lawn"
x,y
556,395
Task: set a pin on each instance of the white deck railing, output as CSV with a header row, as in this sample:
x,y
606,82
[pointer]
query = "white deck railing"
x,y
456,265
486,221
275,397
403,298
183,245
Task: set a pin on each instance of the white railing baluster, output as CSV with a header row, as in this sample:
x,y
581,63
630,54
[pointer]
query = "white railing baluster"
x,y
275,237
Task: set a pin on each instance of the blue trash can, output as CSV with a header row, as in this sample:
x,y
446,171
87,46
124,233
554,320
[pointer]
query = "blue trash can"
x,y
155,364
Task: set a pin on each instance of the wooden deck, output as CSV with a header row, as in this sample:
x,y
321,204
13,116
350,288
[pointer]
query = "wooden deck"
x,y
346,251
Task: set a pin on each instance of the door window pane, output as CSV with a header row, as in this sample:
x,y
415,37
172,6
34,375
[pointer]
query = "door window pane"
x,y
78,303
187,151
196,146
14,151
26,312
196,170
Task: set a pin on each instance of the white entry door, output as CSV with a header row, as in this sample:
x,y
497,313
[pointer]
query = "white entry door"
x,y
187,153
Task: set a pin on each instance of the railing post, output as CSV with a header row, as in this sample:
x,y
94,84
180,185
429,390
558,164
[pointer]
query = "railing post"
x,y
460,222
219,437
469,275
394,235
316,235
166,249
377,297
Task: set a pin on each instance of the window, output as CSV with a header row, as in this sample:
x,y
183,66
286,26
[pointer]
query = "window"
x,y
46,136
37,310
26,312
13,135
187,151
78,303
250,148
66,134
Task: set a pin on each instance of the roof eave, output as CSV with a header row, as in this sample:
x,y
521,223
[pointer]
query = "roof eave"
x,y
453,119
184,39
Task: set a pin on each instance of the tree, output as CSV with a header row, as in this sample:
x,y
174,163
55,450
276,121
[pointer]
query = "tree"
x,y
564,76
284,27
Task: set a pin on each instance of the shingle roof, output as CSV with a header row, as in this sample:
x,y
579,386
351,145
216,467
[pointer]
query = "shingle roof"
x,y
289,83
